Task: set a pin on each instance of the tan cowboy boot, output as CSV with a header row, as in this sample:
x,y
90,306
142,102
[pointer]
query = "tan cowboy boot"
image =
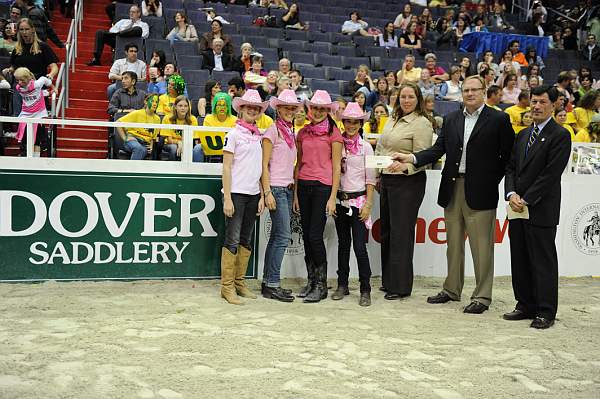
x,y
228,261
241,265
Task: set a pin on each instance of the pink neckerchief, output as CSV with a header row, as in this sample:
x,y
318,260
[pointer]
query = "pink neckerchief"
x,y
320,128
352,144
285,129
250,126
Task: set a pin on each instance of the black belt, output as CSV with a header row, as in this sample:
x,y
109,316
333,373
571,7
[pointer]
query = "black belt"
x,y
343,196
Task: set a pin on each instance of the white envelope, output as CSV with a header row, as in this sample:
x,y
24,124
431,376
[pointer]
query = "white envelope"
x,y
378,161
510,214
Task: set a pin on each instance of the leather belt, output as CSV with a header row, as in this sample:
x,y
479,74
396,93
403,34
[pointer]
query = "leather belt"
x,y
343,196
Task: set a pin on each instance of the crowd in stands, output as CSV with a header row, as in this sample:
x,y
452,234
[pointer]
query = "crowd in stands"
x,y
176,48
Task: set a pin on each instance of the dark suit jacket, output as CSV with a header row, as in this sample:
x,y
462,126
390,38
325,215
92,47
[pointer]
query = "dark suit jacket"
x,y
208,61
536,177
595,53
488,151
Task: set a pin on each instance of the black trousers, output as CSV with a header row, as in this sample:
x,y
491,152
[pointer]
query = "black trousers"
x,y
534,268
351,231
400,200
240,227
105,37
312,198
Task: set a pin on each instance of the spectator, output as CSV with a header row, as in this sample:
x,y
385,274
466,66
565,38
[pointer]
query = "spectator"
x,y
256,75
355,26
561,117
156,83
283,83
517,56
285,66
515,111
488,58
362,81
425,84
388,38
586,108
569,39
591,52
391,78
152,8
138,140
129,63
451,89
510,91
526,120
488,76
586,71
409,73
465,68
494,97
436,119
303,92
245,59
360,98
591,134
9,38
446,32
15,14
219,117
127,98
215,59
556,41
42,26
291,20
480,14
211,89
535,29
270,85
532,71
498,20
158,60
380,94
584,87
175,88
377,121
211,15
531,57
438,4
402,20
537,9
437,73
216,32
410,39
534,82
507,58
236,88
131,27
181,114
563,84
460,30
426,21
479,25
182,30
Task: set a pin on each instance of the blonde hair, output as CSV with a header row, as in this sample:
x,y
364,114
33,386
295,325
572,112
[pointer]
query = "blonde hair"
x,y
35,45
23,73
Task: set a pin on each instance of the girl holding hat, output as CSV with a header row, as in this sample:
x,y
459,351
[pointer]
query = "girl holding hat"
x,y
317,180
242,199
354,210
279,157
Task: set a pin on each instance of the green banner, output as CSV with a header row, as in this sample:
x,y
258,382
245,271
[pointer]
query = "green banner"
x,y
96,225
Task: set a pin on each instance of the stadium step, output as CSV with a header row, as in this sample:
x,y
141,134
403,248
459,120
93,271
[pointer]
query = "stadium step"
x,y
96,133
79,143
81,153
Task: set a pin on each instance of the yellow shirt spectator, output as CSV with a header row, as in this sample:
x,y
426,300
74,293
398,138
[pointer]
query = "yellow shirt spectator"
x,y
264,122
582,136
175,135
582,117
515,112
414,75
165,104
141,116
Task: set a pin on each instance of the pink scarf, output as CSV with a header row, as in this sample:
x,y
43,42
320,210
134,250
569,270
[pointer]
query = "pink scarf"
x,y
250,126
352,143
285,129
320,128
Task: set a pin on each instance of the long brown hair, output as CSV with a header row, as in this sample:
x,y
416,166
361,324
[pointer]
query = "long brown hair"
x,y
420,110
188,116
35,46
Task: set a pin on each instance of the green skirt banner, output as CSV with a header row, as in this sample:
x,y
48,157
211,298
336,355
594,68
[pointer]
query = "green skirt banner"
x,y
66,225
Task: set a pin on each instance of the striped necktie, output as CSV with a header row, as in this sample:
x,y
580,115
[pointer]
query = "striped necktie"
x,y
532,138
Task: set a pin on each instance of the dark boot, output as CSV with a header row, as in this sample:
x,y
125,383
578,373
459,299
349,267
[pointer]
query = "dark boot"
x,y
365,299
310,271
340,293
320,288
277,293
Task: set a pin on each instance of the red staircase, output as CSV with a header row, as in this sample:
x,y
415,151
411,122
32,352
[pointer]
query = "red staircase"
x,y
87,87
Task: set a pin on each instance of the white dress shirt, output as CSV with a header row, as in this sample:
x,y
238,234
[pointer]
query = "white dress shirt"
x,y
470,121
124,24
218,62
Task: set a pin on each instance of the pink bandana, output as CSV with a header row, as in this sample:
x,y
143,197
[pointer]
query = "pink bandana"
x,y
352,143
250,126
285,129
320,128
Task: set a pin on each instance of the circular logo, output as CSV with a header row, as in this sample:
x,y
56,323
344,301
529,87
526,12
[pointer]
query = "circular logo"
x,y
296,245
585,229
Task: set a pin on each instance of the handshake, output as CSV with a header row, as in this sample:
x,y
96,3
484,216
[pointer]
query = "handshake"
x,y
400,162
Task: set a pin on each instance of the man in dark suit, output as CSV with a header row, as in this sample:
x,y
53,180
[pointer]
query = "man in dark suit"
x,y
591,51
539,157
477,142
215,59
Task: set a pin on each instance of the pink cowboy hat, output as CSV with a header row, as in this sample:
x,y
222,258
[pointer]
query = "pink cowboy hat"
x,y
250,97
353,111
286,97
321,99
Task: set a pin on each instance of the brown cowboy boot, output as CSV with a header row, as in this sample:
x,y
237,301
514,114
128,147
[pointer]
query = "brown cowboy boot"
x,y
241,265
227,277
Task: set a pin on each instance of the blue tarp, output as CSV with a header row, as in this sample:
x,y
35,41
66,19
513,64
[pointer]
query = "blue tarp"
x,y
479,42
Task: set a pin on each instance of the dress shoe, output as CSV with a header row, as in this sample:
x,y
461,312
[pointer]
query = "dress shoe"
x,y
284,290
442,297
277,294
476,307
392,297
340,293
94,62
516,314
365,299
541,323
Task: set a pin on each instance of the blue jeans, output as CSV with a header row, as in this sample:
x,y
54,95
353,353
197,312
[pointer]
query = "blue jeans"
x,y
171,149
281,234
110,90
138,150
198,154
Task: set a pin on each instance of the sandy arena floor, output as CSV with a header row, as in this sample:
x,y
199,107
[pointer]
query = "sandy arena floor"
x,y
178,339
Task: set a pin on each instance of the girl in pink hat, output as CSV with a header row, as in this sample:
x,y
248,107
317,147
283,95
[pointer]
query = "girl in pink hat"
x,y
279,157
354,210
242,197
317,180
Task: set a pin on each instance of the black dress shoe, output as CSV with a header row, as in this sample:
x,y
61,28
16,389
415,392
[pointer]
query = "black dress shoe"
x,y
284,290
517,314
277,294
365,299
476,307
392,297
442,297
94,62
541,323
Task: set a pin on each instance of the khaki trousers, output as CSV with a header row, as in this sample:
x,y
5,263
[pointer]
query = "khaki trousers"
x,y
480,228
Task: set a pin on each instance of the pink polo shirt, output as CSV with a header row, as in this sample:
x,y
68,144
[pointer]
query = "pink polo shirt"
x,y
283,159
316,155
356,176
246,168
